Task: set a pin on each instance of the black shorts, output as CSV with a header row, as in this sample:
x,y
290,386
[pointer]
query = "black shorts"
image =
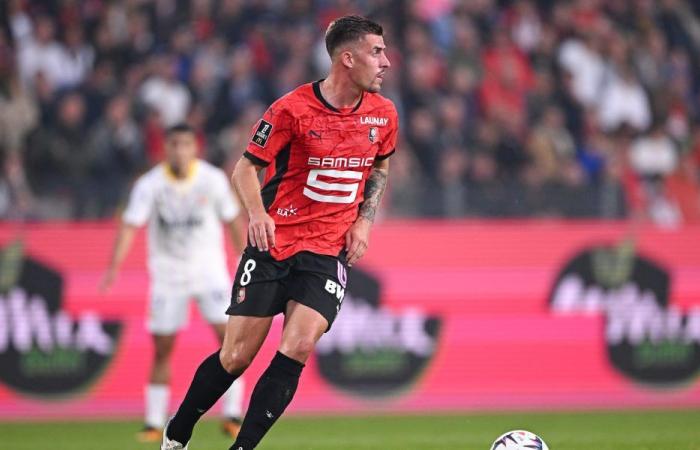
x,y
263,285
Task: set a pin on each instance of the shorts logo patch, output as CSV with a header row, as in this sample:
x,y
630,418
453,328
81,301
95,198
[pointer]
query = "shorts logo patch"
x,y
262,133
240,295
342,274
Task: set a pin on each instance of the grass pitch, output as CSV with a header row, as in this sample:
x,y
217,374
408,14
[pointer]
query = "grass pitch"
x,y
609,430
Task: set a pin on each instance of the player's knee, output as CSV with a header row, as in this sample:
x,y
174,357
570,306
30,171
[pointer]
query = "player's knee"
x,y
299,348
162,354
234,361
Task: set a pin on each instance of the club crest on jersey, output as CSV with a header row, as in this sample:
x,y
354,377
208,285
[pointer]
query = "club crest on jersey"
x,y
373,134
262,133
240,295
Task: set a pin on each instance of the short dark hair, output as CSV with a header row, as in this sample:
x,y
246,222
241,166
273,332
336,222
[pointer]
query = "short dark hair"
x,y
179,128
349,28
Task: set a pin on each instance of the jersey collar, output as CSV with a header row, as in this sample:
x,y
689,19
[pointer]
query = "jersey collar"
x,y
191,171
317,93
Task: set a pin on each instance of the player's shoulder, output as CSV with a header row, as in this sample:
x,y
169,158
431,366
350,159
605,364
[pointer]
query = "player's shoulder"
x,y
377,110
378,103
209,170
207,167
152,176
295,101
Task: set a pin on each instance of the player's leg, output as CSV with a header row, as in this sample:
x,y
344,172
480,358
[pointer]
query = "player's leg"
x,y
317,285
274,390
213,303
232,408
167,314
157,393
244,336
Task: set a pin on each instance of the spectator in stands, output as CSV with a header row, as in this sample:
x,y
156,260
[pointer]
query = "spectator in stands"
x,y
653,158
476,86
18,110
163,92
551,146
623,102
116,146
78,56
60,161
41,54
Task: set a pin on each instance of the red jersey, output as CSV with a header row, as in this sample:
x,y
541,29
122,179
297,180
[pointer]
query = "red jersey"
x,y
318,159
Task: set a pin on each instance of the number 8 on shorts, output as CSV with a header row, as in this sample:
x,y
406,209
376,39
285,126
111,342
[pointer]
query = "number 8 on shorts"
x,y
248,269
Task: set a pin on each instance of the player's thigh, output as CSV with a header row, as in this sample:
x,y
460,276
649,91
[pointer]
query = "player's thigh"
x,y
168,309
318,282
303,327
242,341
163,345
259,287
213,302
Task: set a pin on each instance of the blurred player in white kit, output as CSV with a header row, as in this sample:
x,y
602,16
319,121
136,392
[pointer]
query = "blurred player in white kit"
x,y
184,200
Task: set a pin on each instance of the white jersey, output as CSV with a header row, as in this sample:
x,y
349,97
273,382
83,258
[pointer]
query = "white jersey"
x,y
185,238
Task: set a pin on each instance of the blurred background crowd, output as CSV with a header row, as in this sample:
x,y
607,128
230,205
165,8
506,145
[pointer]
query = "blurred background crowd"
x,y
509,108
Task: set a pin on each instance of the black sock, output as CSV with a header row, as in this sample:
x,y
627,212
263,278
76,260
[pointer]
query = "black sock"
x,y
272,394
209,383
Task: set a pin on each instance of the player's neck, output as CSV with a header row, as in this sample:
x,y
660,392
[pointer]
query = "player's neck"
x,y
180,173
340,92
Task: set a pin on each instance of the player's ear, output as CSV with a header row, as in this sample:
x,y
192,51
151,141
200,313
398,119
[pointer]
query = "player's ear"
x,y
347,59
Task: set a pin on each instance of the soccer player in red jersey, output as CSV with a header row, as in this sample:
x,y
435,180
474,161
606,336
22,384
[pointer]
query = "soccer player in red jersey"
x,y
325,148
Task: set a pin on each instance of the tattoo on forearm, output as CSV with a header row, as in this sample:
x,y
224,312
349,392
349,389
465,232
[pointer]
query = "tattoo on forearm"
x,y
374,189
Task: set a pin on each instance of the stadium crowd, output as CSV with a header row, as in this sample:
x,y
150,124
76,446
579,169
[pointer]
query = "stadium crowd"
x,y
520,108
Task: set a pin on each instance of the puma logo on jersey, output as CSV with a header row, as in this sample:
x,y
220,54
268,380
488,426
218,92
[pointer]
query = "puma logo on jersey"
x,y
370,120
336,162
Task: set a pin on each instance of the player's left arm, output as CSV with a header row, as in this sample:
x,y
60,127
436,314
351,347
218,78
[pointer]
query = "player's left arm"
x,y
357,237
237,229
229,211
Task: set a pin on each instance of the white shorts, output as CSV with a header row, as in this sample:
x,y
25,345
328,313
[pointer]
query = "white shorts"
x,y
169,306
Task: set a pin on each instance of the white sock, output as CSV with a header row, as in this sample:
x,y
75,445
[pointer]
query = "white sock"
x,y
233,400
157,398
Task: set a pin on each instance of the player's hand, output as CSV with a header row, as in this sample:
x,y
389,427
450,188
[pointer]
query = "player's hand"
x,y
357,239
107,281
261,231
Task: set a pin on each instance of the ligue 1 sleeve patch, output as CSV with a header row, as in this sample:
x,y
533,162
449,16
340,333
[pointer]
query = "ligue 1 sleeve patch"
x,y
262,133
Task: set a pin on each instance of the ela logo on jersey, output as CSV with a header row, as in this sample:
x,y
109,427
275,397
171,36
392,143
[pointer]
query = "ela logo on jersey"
x,y
262,134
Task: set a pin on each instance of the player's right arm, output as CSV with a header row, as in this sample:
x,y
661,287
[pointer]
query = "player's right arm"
x,y
121,247
136,214
269,136
261,227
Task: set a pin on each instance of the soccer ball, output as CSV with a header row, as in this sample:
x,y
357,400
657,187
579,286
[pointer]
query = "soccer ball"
x,y
519,440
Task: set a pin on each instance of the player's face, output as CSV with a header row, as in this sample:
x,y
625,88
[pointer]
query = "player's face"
x,y
371,63
181,150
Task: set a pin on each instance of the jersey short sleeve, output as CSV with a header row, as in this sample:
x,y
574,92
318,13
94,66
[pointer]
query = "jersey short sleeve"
x,y
226,205
388,144
271,134
140,205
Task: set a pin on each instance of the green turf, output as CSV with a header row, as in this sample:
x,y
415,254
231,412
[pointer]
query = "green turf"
x,y
653,430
